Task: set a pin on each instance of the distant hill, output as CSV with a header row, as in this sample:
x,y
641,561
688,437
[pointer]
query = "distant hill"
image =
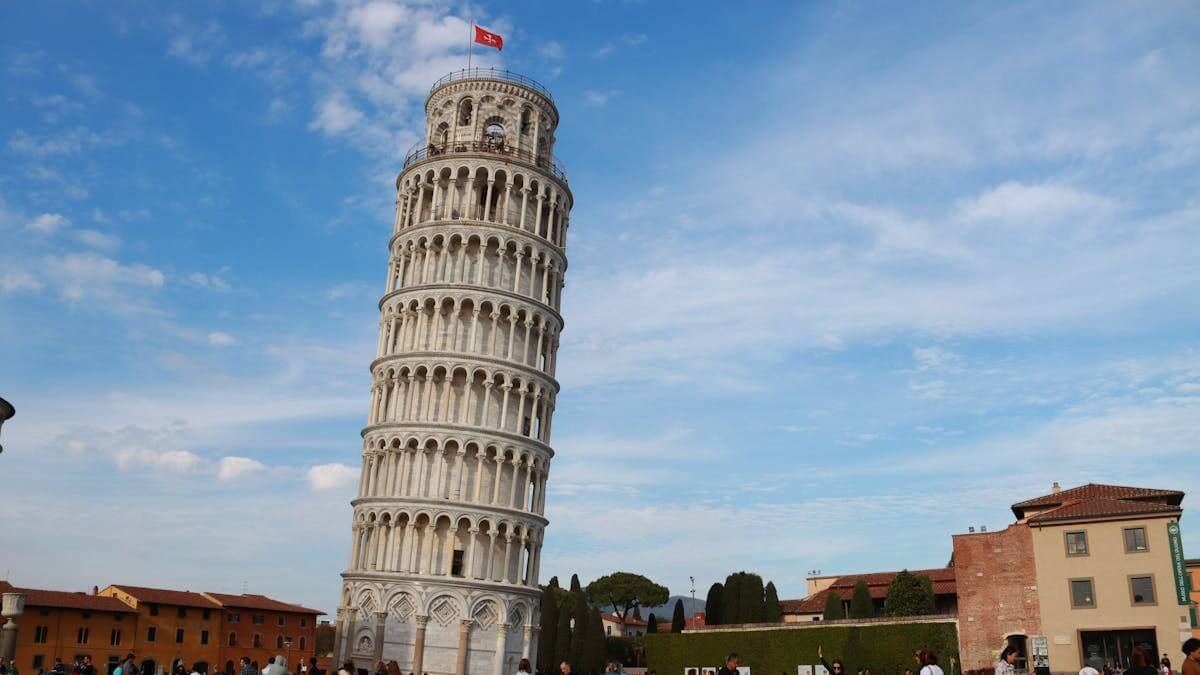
x,y
664,612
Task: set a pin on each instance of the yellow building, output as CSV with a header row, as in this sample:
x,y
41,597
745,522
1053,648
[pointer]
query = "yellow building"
x,y
1089,572
70,626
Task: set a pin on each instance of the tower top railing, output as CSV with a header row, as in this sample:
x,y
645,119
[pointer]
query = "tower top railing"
x,y
545,162
492,74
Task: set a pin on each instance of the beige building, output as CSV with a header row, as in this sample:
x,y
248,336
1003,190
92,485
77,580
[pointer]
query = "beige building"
x,y
1091,570
631,628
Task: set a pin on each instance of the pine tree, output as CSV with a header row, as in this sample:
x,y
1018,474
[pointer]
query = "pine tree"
x,y
713,604
652,624
909,595
546,643
772,612
678,623
861,606
595,646
834,610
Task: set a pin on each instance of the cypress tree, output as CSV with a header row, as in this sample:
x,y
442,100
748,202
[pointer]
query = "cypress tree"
x,y
834,610
677,619
861,606
772,612
713,604
731,610
752,599
575,587
652,624
579,634
546,643
562,638
595,645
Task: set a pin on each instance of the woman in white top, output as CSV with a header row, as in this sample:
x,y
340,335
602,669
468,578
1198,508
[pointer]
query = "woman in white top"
x,y
524,667
1006,665
929,664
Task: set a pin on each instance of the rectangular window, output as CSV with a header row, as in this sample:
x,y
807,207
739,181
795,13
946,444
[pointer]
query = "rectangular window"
x,y
1082,593
233,617
207,614
44,611
85,615
1135,540
279,621
151,633
303,622
203,637
456,566
257,619
178,636
1077,543
82,636
39,660
40,633
118,617
182,612
114,638
153,610
1141,590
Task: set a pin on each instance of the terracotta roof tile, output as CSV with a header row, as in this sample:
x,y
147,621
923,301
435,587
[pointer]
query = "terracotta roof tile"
x,y
1099,508
254,601
1098,491
942,579
37,597
164,596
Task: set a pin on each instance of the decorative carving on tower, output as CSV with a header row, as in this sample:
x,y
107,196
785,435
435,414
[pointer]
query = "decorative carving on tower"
x,y
448,523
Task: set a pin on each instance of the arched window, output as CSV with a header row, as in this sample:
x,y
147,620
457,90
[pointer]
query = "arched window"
x,y
526,121
279,642
257,641
493,133
232,639
443,136
464,112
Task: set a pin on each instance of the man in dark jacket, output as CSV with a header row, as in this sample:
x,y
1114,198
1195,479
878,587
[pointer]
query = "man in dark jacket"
x,y
730,667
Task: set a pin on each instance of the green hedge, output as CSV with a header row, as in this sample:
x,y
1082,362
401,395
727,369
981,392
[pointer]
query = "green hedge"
x,y
885,649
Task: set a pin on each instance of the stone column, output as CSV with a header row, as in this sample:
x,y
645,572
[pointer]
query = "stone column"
x,y
348,640
501,638
526,640
418,662
380,624
338,637
464,637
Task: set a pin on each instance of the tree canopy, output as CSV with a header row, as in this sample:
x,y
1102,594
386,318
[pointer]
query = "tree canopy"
x,y
678,622
652,624
713,604
910,595
772,612
861,606
546,643
834,609
625,591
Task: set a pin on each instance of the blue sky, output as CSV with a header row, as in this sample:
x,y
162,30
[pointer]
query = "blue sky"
x,y
844,278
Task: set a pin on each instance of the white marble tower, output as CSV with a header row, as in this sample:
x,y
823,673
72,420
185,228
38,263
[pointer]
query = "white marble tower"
x,y
448,522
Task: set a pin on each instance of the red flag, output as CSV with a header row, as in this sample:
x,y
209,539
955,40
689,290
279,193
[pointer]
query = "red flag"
x,y
488,39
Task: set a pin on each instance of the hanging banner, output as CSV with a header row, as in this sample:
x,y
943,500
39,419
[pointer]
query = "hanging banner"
x,y
1178,566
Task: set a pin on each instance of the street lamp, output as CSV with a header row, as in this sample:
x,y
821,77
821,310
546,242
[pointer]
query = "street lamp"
x,y
693,580
12,605
6,412
287,643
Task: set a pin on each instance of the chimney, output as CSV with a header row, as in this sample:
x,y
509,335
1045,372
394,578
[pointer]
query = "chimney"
x,y
971,529
95,590
983,528
1055,489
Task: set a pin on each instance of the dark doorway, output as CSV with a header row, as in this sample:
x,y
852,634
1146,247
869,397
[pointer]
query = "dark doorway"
x,y
1113,647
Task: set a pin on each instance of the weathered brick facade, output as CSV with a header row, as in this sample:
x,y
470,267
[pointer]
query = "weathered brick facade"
x,y
997,592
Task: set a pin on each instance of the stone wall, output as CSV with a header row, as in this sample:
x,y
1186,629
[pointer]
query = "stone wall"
x,y
997,592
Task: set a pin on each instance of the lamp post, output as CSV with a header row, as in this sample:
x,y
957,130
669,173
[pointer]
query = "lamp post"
x,y
287,643
6,412
12,605
693,580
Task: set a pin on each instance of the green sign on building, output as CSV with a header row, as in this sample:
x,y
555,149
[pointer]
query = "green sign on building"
x,y
1178,566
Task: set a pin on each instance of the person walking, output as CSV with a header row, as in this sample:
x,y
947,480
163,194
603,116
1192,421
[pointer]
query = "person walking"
x,y
929,663
1140,664
524,668
1164,665
1191,657
731,665
1008,657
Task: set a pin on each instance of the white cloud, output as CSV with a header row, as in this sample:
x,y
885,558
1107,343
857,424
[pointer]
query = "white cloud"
x,y
99,240
219,339
212,281
331,476
335,115
552,50
70,142
12,281
597,98
47,223
1019,203
167,461
195,44
231,468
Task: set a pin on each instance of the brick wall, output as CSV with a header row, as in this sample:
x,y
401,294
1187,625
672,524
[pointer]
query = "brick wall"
x,y
997,592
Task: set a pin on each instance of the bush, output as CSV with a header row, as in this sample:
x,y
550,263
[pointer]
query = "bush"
x,y
833,607
885,649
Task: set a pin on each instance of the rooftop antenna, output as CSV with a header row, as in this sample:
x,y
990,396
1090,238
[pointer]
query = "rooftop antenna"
x,y
244,586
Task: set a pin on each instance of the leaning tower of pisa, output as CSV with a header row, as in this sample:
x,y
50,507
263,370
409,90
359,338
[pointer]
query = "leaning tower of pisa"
x,y
448,521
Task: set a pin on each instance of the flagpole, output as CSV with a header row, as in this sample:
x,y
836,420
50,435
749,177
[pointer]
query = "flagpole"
x,y
470,43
